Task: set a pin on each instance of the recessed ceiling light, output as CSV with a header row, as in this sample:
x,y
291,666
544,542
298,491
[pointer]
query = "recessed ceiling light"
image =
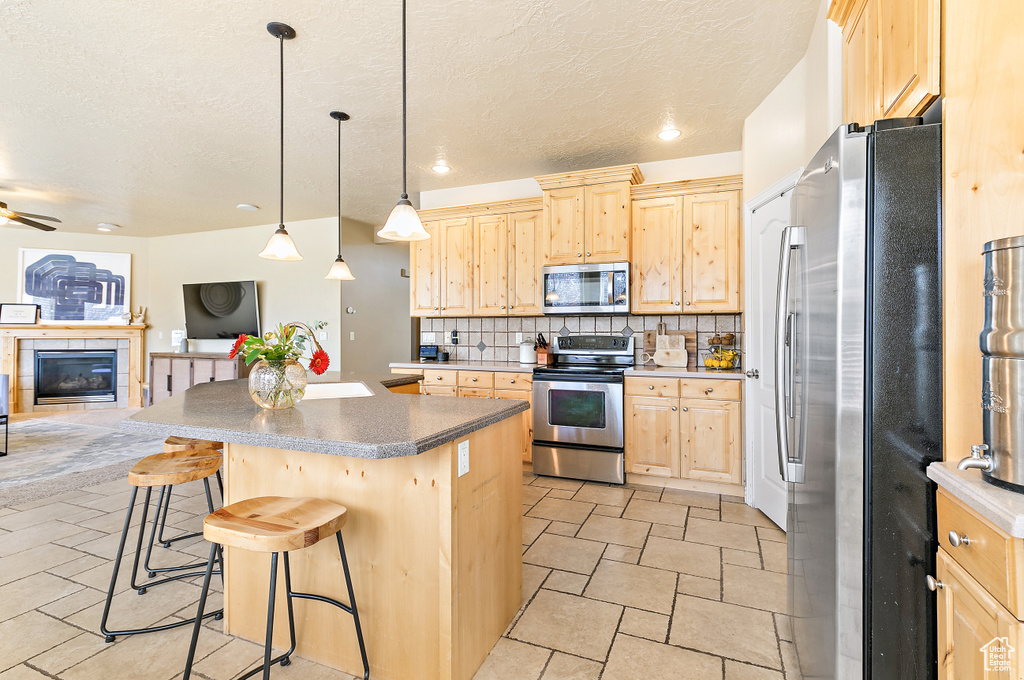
x,y
247,206
107,226
669,134
440,168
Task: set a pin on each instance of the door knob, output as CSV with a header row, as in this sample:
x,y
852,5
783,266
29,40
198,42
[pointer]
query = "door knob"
x,y
933,583
956,540
752,373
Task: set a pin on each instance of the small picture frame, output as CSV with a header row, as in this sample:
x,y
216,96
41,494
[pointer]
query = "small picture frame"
x,y
18,313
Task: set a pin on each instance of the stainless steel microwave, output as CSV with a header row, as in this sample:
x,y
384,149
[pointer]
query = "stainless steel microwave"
x,y
586,288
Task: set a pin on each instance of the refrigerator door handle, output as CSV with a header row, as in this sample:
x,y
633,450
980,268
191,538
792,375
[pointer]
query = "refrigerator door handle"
x,y
792,237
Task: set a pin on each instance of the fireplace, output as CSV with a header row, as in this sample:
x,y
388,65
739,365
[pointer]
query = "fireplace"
x,y
75,376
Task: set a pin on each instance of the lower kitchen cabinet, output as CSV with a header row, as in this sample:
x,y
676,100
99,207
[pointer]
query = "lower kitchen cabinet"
x,y
972,627
476,392
525,395
711,433
674,429
439,390
652,436
171,373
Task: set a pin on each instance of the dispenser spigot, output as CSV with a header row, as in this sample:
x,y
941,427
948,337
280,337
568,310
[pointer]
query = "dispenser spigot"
x,y
979,460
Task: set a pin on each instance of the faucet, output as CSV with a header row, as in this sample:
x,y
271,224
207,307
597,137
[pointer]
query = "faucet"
x,y
979,460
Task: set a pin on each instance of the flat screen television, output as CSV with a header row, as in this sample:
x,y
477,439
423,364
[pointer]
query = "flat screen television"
x,y
222,310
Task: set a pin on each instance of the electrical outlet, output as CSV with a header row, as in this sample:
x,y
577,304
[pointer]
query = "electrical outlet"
x,y
322,336
428,338
519,338
463,457
455,337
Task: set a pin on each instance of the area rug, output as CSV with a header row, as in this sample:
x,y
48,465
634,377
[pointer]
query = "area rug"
x,y
59,455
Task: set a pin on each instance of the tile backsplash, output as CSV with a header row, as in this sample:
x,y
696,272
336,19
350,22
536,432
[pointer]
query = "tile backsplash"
x,y
494,338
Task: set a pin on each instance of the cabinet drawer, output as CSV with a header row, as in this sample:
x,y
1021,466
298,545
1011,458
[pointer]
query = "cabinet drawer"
x,y
728,390
476,392
652,386
407,371
476,379
446,378
989,555
438,390
513,381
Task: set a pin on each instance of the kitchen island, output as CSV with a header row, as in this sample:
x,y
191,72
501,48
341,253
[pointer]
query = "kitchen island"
x,y
435,556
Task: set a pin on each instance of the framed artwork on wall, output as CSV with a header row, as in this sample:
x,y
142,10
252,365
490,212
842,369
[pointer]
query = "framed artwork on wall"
x,y
18,313
75,287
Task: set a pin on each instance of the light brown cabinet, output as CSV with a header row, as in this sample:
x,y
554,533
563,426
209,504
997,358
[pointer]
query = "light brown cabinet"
x,y
712,252
525,292
652,436
587,215
442,269
173,373
490,236
656,284
891,53
525,395
684,429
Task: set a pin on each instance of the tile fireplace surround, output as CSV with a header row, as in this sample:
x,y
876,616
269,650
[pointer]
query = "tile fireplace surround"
x,y
17,350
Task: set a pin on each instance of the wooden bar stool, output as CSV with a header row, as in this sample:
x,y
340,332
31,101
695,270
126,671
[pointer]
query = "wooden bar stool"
x,y
272,524
163,470
171,445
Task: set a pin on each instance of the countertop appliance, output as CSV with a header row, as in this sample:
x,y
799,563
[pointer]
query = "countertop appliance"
x,y
858,400
586,288
1000,458
578,419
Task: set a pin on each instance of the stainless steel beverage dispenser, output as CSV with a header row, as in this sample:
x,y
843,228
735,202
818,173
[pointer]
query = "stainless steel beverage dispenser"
x,y
1001,456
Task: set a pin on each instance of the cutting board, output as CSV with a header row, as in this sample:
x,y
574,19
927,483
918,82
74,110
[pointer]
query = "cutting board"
x,y
650,344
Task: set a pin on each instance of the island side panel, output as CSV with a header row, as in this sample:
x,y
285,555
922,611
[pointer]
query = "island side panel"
x,y
436,558
487,542
392,537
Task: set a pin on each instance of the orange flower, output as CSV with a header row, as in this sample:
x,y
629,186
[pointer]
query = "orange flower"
x,y
319,362
238,345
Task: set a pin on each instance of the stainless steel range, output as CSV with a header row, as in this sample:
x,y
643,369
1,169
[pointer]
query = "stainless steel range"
x,y
578,409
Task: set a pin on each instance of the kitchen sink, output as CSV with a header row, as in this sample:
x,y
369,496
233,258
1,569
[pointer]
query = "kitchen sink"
x,y
340,390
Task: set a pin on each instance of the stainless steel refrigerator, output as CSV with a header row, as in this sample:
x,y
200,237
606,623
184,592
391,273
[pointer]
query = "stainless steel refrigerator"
x,y
858,398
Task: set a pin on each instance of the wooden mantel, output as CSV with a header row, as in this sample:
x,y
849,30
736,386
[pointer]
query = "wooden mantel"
x,y
11,335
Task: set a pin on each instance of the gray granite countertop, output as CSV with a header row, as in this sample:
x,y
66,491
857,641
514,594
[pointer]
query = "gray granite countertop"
x,y
1003,508
516,367
504,366
384,425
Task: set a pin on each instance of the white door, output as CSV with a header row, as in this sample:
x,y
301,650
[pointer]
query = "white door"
x,y
766,216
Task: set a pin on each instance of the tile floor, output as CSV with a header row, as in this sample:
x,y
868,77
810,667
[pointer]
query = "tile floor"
x,y
618,584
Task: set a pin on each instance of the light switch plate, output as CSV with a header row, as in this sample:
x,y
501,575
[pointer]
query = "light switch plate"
x,y
519,338
463,457
428,338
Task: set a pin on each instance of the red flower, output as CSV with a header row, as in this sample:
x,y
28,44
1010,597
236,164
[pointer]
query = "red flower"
x,y
319,362
238,345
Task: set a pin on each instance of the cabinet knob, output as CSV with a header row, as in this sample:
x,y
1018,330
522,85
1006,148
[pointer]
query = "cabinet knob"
x,y
503,306
956,540
673,408
435,309
687,303
579,254
588,254
709,390
442,309
650,387
933,583
676,303
685,409
512,381
438,377
511,306
474,379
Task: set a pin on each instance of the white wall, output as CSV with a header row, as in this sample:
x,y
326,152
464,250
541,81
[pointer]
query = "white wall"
x,y
695,167
799,115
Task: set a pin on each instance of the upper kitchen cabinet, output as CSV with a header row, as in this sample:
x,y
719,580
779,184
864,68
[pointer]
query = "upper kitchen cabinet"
x,y
891,56
442,269
525,295
490,236
587,216
711,252
656,279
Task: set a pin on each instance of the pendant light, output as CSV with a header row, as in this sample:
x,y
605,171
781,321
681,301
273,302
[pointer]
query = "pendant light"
x,y
339,270
280,246
403,223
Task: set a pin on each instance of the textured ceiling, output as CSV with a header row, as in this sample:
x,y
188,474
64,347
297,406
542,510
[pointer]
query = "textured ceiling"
x,y
161,116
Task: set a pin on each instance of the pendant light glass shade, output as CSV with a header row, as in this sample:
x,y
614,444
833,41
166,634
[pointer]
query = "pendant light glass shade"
x,y
340,271
281,247
403,223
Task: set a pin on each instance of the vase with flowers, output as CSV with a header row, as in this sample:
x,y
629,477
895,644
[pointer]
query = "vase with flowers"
x,y
278,380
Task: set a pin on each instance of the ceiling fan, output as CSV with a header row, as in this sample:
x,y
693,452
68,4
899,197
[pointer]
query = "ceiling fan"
x,y
24,218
